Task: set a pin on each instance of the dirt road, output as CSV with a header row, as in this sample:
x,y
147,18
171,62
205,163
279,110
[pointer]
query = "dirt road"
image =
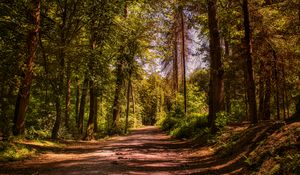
x,y
144,151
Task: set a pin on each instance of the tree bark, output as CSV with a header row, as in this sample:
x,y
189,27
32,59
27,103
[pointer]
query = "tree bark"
x,y
183,58
249,65
175,65
119,84
267,100
68,97
82,105
24,91
227,84
216,92
56,126
128,104
77,100
261,92
96,116
90,124
116,104
275,69
91,120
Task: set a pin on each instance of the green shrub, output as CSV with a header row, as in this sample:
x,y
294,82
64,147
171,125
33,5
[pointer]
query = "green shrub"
x,y
168,123
223,118
190,126
33,133
12,151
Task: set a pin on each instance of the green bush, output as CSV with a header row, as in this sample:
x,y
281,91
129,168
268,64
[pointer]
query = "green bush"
x,y
223,118
191,126
33,133
12,151
168,123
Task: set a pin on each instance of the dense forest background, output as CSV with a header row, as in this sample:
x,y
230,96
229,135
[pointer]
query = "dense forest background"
x,y
85,69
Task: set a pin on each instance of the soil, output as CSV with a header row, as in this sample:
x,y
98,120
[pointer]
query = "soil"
x,y
144,151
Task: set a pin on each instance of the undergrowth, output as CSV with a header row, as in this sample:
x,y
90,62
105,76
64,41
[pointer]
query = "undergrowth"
x,y
14,151
19,148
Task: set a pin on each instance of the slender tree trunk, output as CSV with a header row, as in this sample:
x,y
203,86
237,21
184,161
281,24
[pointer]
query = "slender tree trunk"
x,y
128,104
90,124
91,120
116,104
68,97
285,95
58,89
175,65
24,91
267,101
56,126
216,92
261,95
133,101
227,84
96,115
119,84
82,105
275,69
183,58
249,65
283,90
77,101
45,64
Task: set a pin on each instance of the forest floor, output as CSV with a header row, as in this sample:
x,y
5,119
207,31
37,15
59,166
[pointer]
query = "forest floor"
x,y
145,151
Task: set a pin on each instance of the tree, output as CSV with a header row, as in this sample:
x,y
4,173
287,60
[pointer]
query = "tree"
x,y
183,56
249,65
216,86
24,91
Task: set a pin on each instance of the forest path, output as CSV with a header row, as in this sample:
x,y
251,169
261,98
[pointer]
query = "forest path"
x,y
144,151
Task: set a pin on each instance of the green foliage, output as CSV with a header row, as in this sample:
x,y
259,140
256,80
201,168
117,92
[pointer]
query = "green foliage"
x,y
32,133
274,170
13,151
191,126
168,122
223,118
289,163
248,160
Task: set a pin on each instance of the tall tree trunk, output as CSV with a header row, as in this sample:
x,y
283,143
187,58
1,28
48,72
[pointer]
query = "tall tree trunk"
x,y
227,84
261,92
267,100
216,91
24,91
283,90
82,105
77,100
96,115
175,65
90,124
58,88
249,65
285,94
116,104
56,126
133,101
183,58
128,104
275,69
119,84
68,97
45,64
